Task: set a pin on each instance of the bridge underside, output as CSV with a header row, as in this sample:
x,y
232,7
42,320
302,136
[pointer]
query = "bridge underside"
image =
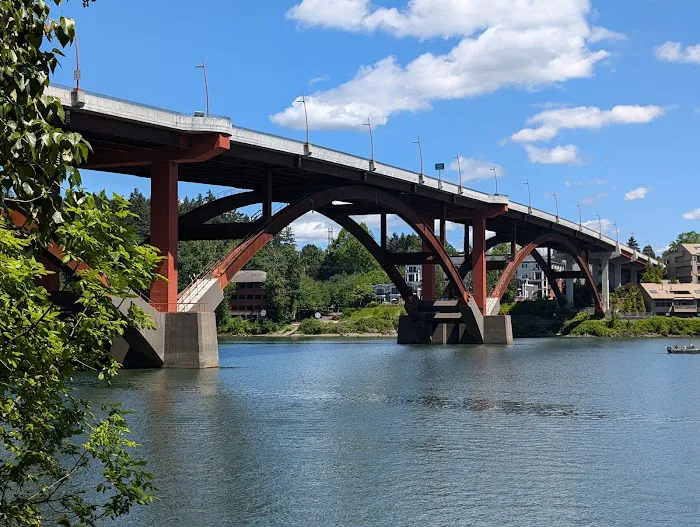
x,y
167,156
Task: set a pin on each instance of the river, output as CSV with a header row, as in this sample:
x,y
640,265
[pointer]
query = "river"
x,y
366,432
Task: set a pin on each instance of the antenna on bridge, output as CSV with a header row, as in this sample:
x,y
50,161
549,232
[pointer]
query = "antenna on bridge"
x,y
371,144
495,175
206,84
529,197
307,149
420,152
459,166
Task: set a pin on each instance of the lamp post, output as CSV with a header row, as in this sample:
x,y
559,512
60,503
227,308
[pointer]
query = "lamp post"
x,y
580,218
420,153
371,144
459,167
206,84
600,225
529,197
76,73
307,149
495,176
556,204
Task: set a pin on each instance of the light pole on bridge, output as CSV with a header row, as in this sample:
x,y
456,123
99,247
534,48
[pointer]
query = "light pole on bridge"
x,y
600,225
307,148
420,152
459,167
371,145
580,218
206,84
529,197
556,204
495,176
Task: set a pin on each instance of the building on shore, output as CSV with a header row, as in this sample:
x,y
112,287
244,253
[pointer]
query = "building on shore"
x,y
534,284
681,300
386,294
248,299
684,264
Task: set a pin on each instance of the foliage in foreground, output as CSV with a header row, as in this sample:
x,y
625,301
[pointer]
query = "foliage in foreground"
x,y
48,437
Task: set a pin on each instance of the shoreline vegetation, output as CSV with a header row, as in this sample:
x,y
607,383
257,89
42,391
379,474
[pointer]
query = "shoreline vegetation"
x,y
536,319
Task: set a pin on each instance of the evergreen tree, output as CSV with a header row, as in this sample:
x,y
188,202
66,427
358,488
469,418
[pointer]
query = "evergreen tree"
x,y
632,243
649,251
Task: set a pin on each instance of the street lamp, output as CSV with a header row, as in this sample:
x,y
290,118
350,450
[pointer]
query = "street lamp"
x,y
580,218
600,225
206,84
556,204
420,152
371,144
307,149
495,175
459,167
529,197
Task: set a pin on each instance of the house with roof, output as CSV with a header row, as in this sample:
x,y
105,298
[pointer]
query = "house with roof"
x,y
248,299
681,300
684,264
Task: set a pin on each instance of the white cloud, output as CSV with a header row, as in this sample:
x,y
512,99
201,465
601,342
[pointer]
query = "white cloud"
x,y
584,182
559,155
600,34
504,43
312,228
584,117
692,215
674,52
590,200
638,193
473,169
320,78
605,225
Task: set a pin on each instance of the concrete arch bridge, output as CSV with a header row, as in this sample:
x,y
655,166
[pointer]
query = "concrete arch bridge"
x,y
168,147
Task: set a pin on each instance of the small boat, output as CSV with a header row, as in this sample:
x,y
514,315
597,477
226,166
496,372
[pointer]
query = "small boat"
x,y
688,350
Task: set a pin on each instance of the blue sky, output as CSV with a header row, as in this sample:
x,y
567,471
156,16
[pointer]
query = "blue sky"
x,y
595,100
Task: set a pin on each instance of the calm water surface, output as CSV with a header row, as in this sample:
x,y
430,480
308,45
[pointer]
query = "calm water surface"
x,y
365,432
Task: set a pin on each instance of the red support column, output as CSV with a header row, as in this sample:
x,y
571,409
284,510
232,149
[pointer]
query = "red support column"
x,y
479,262
428,271
164,233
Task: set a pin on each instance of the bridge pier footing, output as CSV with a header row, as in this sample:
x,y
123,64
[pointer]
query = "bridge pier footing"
x,y
190,340
424,329
180,340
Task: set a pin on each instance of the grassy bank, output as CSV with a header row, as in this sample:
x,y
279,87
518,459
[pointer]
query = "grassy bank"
x,y
582,325
378,320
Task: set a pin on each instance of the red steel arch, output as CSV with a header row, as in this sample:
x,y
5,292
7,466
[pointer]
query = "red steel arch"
x,y
511,268
257,239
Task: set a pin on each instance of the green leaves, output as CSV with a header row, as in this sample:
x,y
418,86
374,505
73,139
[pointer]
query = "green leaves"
x,y
42,346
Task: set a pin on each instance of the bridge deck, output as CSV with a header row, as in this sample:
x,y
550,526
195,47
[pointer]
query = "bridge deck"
x,y
115,126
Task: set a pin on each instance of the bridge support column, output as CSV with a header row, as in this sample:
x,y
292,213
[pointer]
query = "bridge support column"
x,y
570,283
633,276
616,276
428,270
605,282
479,262
164,232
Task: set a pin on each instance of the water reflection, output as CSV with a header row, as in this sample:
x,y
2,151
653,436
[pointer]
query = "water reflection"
x,y
370,433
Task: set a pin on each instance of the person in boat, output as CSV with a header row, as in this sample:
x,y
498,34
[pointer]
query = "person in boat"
x,y
676,348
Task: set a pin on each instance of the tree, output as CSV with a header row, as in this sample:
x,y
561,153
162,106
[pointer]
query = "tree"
x,y
347,255
683,238
653,274
404,243
649,251
48,435
311,259
632,243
